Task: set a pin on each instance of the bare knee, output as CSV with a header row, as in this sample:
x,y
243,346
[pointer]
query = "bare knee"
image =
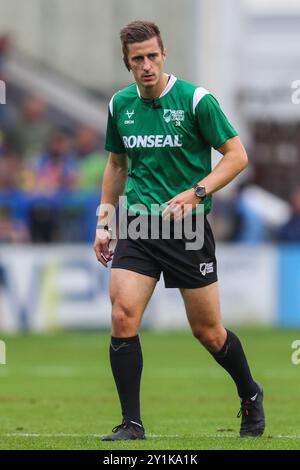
x,y
212,339
124,322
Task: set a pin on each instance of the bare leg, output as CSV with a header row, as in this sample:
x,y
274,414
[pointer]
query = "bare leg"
x,y
203,313
130,293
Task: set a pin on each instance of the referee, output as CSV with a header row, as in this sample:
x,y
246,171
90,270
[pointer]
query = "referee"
x,y
160,132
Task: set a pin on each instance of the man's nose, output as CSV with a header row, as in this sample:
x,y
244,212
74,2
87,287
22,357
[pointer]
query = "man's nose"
x,y
146,64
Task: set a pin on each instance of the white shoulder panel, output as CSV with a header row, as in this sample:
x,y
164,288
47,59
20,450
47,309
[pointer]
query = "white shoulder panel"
x,y
111,108
199,93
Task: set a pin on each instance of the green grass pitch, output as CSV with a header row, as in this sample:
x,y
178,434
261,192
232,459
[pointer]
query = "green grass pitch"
x,y
57,392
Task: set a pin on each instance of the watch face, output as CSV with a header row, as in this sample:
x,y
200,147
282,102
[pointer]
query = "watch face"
x,y
200,191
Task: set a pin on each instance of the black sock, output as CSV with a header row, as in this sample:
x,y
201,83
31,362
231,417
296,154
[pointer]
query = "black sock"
x,y
127,363
233,359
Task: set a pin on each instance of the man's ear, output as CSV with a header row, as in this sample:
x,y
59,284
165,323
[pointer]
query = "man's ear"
x,y
164,53
125,60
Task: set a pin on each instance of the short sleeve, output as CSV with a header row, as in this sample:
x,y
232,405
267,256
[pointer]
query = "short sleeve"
x,y
113,141
212,122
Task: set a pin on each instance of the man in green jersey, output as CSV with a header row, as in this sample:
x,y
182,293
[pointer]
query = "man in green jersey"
x,y
160,133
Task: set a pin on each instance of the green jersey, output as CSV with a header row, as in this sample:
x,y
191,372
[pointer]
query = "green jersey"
x,y
168,140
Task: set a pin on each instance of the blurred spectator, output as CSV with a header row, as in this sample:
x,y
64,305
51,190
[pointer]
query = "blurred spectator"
x,y
249,226
2,148
11,231
56,168
43,223
10,171
5,46
6,112
28,135
222,217
91,161
290,232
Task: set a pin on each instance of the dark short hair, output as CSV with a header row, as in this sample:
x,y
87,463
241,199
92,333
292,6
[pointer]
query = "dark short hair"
x,y
138,31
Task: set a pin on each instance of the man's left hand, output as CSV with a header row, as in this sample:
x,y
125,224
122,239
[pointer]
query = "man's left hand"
x,y
181,205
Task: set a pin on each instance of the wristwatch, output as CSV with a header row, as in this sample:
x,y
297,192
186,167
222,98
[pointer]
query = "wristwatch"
x,y
200,192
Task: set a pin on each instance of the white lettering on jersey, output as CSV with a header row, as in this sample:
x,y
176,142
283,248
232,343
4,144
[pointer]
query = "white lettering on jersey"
x,y
168,141
158,140
176,141
141,141
149,141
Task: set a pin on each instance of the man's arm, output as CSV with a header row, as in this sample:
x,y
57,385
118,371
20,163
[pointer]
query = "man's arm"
x,y
113,184
234,160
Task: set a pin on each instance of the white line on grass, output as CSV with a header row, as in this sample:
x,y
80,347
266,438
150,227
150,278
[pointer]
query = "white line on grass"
x,y
23,434
151,436
61,434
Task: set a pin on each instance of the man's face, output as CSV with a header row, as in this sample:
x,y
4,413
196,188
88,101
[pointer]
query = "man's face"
x,y
146,61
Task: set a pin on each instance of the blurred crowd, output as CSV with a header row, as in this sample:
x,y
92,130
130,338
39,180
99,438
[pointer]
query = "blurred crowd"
x,y
38,158
41,167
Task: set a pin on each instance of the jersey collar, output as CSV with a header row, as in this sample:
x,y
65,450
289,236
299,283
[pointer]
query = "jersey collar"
x,y
168,87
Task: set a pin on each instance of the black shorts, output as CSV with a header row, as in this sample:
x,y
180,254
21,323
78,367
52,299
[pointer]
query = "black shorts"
x,y
180,267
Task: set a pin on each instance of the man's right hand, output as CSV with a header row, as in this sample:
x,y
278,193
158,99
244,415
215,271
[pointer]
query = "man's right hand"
x,y
101,246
